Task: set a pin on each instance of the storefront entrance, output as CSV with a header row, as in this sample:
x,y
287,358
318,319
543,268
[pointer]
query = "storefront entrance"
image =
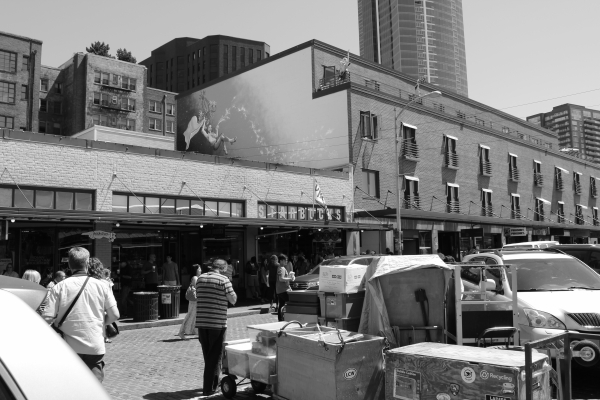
x,y
449,244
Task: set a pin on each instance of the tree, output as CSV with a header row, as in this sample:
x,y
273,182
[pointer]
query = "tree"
x,y
124,55
100,49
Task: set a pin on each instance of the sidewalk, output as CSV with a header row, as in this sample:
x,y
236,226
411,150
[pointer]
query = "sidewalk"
x,y
244,309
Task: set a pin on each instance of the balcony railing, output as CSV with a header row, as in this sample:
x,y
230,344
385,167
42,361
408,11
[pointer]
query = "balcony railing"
x,y
486,168
412,202
539,216
453,207
560,184
596,222
451,160
409,150
514,174
487,211
579,219
538,179
333,81
516,213
560,218
577,187
594,192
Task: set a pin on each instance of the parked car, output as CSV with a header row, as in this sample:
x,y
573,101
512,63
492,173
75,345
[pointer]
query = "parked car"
x,y
35,363
588,253
556,292
540,244
310,281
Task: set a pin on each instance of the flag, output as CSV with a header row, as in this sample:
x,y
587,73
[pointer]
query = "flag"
x,y
319,196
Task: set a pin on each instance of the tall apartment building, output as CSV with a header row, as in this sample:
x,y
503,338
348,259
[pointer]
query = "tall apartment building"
x,y
422,38
184,63
20,69
578,128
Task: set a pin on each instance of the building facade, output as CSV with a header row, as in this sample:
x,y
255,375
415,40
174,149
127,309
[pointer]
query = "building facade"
x,y
578,128
20,69
421,38
468,174
185,63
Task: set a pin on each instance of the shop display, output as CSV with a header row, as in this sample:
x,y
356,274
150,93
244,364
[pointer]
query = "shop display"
x,y
442,372
341,279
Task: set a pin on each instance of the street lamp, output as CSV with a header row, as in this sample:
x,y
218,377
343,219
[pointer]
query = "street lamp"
x,y
436,93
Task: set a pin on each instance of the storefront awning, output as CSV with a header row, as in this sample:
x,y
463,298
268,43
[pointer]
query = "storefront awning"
x,y
562,169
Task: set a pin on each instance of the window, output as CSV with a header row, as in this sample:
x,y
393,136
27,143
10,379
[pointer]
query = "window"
x,y
593,187
170,126
486,203
116,79
57,107
43,198
130,124
242,57
452,202
577,182
58,87
105,78
233,58
479,121
250,56
25,63
513,170
484,160
105,99
225,59
8,61
128,104
559,181
42,127
155,106
538,178
96,98
7,92
595,216
515,206
560,212
43,105
97,78
170,109
128,83
258,55
369,126
410,150
538,214
411,193
155,124
451,157
371,182
24,92
579,219
7,122
461,114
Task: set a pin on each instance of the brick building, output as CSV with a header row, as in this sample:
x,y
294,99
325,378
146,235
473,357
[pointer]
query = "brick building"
x,y
185,63
20,68
469,174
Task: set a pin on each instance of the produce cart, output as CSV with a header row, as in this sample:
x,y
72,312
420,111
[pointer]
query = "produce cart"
x,y
253,359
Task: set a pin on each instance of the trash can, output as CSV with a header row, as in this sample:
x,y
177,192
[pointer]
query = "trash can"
x,y
168,301
145,306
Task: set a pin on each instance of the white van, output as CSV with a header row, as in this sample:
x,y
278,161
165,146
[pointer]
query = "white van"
x,y
540,244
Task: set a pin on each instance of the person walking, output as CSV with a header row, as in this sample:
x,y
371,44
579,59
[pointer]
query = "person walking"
x,y
252,285
150,274
170,272
188,327
59,276
92,307
213,292
282,286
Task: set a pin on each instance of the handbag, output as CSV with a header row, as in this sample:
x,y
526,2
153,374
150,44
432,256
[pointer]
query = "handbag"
x,y
112,330
190,293
62,320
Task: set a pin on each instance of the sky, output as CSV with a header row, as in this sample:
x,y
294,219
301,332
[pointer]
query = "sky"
x,y
518,51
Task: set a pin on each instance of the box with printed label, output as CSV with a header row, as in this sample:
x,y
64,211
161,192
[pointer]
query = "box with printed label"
x,y
439,371
341,279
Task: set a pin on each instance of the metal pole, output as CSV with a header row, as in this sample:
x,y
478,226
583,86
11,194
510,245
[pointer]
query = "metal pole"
x,y
397,175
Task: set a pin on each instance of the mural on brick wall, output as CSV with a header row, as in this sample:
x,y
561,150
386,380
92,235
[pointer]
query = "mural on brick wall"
x,y
267,114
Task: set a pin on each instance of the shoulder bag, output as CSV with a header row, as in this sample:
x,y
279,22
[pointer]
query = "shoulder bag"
x,y
62,320
190,293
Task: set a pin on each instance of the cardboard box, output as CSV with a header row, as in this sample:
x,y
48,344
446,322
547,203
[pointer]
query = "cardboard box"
x,y
341,279
439,371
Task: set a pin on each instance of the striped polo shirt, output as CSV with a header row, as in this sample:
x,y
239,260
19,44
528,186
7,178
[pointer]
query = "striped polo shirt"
x,y
211,300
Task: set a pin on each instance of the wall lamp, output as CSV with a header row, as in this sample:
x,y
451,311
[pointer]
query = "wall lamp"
x,y
12,220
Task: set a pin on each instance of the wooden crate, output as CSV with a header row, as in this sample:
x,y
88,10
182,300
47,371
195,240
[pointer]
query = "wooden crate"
x,y
445,372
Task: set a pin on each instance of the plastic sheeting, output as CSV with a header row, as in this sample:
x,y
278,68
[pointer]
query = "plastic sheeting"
x,y
375,319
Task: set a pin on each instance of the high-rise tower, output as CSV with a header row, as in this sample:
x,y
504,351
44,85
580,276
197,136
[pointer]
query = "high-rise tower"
x,y
417,37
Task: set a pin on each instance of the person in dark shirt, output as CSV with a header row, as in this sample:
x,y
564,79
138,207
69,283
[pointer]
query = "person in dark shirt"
x,y
150,272
126,281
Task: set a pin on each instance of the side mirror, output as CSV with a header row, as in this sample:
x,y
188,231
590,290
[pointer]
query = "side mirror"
x,y
490,284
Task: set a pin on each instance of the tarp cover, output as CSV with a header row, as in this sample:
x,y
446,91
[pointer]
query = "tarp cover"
x,y
374,319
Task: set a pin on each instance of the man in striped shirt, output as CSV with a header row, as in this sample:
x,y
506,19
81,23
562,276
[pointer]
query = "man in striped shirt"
x,y
213,291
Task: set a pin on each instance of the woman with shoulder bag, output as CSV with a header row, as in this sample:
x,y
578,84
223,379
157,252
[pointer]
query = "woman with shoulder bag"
x,y
188,327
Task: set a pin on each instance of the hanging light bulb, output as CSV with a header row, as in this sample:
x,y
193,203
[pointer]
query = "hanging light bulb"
x,y
201,226
117,224
12,220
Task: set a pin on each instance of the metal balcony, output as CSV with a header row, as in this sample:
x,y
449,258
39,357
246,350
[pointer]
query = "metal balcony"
x,y
577,187
560,218
514,174
333,81
579,219
594,192
560,184
453,207
412,202
451,160
409,150
538,179
596,222
516,213
539,216
486,168
487,211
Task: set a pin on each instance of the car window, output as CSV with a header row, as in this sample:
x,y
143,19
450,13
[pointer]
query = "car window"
x,y
553,274
362,261
337,261
583,255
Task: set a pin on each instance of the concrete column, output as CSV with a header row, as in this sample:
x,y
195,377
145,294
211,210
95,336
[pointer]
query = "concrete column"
x,y
352,243
103,247
434,241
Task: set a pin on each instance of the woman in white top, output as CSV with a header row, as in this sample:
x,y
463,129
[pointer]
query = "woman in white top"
x,y
188,327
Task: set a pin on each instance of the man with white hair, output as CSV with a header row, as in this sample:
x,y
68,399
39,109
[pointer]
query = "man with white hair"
x,y
92,306
213,291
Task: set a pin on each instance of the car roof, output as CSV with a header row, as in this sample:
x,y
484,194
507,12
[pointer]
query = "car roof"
x,y
63,375
30,292
531,255
576,246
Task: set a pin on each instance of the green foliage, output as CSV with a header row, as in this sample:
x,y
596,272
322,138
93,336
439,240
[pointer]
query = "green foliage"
x,y
100,49
124,55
